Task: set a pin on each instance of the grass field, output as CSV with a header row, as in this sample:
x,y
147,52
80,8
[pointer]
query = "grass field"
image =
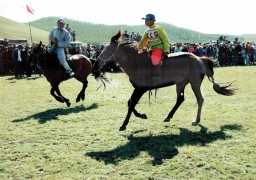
x,y
43,139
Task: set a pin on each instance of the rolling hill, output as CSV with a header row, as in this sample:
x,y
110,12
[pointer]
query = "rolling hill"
x,y
91,33
13,30
94,33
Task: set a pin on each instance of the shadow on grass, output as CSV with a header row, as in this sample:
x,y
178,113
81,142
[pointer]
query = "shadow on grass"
x,y
24,78
52,114
161,147
34,77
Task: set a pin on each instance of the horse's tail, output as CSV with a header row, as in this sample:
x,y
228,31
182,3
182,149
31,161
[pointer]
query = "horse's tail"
x,y
100,76
227,89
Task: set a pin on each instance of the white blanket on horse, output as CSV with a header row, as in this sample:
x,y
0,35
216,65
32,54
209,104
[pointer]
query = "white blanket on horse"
x,y
178,54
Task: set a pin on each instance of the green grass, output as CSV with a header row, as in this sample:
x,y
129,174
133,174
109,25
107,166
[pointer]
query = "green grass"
x,y
43,139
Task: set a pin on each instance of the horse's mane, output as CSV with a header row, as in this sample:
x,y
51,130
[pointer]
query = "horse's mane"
x,y
118,38
130,46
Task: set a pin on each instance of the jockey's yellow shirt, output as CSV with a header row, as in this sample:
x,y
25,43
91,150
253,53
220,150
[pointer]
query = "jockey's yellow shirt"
x,y
156,38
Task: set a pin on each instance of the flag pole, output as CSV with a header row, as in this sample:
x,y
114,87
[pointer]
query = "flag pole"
x,y
30,30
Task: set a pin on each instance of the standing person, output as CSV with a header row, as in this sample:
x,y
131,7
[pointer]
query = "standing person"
x,y
60,38
126,35
73,34
18,56
159,46
68,28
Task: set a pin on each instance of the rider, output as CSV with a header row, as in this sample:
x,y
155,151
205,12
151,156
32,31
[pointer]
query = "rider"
x,y
156,38
59,37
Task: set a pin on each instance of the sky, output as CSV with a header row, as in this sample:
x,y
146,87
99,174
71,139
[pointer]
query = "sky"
x,y
232,17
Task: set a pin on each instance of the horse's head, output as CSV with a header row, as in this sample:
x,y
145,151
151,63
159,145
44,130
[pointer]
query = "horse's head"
x,y
108,56
36,54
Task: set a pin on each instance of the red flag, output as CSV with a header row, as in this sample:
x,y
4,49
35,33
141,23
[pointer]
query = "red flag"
x,y
30,10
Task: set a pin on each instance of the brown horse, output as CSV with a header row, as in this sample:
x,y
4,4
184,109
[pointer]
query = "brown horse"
x,y
179,69
55,73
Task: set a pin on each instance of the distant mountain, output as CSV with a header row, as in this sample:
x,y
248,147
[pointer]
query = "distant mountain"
x,y
249,37
95,33
92,33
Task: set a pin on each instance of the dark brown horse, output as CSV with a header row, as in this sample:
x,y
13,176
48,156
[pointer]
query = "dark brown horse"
x,y
179,69
55,73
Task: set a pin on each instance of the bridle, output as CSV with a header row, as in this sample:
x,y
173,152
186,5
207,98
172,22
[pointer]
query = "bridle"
x,y
107,59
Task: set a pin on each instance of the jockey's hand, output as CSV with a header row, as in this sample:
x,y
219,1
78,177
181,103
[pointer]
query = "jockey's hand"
x,y
54,41
140,51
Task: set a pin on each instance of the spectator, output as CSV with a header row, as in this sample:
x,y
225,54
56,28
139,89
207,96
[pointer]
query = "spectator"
x,y
19,56
5,42
137,37
200,51
68,28
126,35
132,36
254,49
178,48
73,34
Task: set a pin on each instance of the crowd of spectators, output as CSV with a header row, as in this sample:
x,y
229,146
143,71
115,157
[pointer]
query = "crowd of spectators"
x,y
227,53
14,57
14,60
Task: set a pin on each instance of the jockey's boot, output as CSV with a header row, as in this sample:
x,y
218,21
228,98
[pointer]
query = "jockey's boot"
x,y
68,69
157,73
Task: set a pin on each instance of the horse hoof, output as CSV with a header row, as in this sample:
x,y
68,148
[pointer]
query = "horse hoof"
x,y
167,120
194,123
122,128
68,104
144,116
77,100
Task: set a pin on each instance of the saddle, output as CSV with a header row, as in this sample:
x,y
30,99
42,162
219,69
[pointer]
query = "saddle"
x,y
54,61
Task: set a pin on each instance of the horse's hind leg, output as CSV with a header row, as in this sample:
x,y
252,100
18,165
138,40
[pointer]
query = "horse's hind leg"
x,y
65,99
200,100
180,98
81,94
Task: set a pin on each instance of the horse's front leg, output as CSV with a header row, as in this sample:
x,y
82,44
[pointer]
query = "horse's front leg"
x,y
58,98
136,113
81,94
65,99
136,95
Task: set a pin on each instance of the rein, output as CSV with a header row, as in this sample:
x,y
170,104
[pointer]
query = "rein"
x,y
37,60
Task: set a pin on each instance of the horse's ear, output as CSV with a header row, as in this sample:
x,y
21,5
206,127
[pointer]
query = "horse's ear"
x,y
115,38
40,44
